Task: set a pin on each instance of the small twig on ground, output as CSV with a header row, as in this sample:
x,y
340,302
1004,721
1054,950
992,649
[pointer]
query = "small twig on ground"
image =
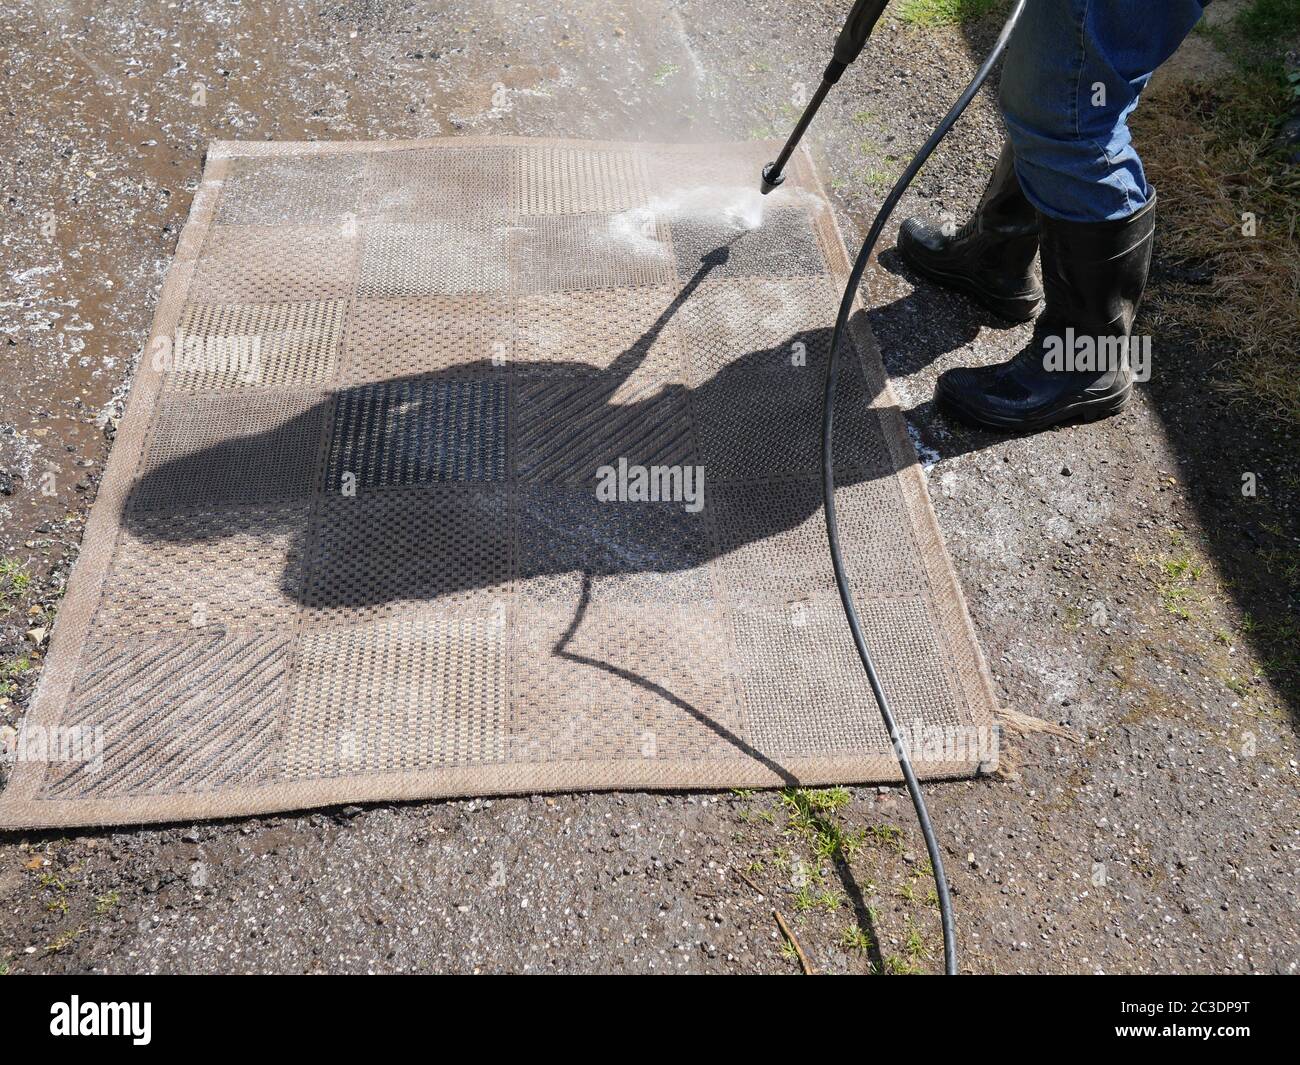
x,y
757,890
789,935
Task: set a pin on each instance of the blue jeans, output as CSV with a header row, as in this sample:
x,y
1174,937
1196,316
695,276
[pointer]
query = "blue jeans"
x,y
1074,69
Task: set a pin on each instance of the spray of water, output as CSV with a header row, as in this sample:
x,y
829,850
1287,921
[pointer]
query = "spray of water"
x,y
737,208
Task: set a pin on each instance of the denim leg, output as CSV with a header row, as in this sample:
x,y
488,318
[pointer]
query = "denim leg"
x,y
1074,69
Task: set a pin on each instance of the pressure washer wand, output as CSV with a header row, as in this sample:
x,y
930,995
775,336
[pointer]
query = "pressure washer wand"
x,y
848,46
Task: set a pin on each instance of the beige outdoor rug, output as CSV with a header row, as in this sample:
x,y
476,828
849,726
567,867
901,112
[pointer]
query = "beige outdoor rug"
x,y
472,466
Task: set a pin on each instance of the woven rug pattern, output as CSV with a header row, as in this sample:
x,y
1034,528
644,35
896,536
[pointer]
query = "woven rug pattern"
x,y
490,465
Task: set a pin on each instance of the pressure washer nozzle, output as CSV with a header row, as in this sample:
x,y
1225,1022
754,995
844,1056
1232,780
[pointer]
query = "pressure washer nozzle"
x,y
770,179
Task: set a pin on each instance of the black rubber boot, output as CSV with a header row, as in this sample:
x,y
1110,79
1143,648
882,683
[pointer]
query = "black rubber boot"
x,y
1077,365
991,257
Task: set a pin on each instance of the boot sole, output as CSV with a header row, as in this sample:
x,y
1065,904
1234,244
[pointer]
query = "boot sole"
x,y
1084,410
1009,308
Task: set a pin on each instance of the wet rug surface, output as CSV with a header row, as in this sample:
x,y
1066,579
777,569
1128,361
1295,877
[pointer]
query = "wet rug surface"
x,y
475,466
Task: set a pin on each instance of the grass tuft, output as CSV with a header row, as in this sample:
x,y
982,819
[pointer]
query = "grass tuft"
x,y
14,579
945,12
855,937
1267,21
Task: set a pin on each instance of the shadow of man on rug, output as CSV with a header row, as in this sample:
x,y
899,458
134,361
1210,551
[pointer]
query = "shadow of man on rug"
x,y
450,487
424,483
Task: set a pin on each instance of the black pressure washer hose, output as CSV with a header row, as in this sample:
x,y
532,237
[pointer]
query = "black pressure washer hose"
x,y
857,28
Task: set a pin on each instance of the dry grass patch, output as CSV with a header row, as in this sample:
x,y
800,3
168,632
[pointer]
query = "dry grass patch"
x,y
1230,209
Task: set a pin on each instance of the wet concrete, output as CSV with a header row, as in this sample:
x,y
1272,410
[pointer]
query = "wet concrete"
x,y
1146,840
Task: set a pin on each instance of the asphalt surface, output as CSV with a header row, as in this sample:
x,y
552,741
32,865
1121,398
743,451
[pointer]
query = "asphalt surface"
x,y
1154,830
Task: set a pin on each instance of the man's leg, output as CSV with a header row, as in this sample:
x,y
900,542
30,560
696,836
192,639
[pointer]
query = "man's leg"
x,y
1073,74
